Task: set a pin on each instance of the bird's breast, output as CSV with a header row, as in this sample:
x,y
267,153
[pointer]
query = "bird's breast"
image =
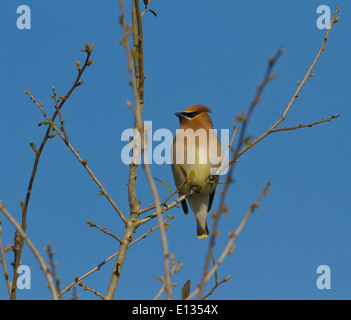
x,y
190,155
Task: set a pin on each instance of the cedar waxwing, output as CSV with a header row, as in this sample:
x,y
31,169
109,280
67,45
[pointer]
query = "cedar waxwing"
x,y
196,154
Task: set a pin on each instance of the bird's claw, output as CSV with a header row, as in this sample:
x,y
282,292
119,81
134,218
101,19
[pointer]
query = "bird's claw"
x,y
195,190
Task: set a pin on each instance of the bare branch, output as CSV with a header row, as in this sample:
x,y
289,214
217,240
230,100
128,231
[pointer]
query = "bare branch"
x,y
217,284
310,125
230,245
167,207
146,8
84,287
93,225
3,262
268,77
24,207
296,94
36,253
82,161
53,265
111,257
176,266
152,229
162,231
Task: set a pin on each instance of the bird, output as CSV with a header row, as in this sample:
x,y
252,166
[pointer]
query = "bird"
x,y
196,156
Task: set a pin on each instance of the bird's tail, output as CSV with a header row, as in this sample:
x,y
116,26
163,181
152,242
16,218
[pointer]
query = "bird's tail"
x,y
199,205
202,232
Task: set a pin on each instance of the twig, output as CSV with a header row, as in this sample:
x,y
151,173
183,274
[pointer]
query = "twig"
x,y
59,113
139,88
164,202
36,253
53,266
296,94
84,287
152,229
230,245
167,282
82,161
146,8
133,221
3,262
176,266
92,224
217,284
74,294
238,151
268,77
167,207
67,288
220,169
24,207
310,125
77,279
138,46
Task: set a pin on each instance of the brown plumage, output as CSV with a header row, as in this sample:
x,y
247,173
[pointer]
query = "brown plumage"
x,y
194,148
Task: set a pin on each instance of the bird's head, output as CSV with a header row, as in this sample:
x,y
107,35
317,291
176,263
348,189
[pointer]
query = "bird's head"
x,y
195,116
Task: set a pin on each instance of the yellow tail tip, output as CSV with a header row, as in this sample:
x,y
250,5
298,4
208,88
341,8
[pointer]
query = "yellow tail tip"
x,y
203,236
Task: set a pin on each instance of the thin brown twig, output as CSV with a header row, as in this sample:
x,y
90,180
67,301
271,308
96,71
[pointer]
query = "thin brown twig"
x,y
167,207
57,100
294,97
238,151
310,125
67,288
217,284
167,282
152,229
35,251
3,262
134,204
164,202
230,245
82,161
146,8
268,77
84,287
137,81
53,266
92,224
24,207
176,266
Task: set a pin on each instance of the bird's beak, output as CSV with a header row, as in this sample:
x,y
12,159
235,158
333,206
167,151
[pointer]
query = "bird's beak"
x,y
179,115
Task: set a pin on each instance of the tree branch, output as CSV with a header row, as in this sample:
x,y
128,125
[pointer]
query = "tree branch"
x,y
76,153
91,224
67,288
3,262
24,207
217,284
310,125
230,245
36,253
296,94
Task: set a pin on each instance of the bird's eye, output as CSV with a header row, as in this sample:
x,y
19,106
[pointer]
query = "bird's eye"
x,y
191,115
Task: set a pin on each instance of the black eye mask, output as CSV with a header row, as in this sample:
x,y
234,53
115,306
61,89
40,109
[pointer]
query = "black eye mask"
x,y
188,115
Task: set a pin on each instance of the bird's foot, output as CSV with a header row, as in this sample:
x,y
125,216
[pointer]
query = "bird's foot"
x,y
195,190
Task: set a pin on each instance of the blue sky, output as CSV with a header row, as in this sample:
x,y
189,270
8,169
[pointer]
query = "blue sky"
x,y
194,52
